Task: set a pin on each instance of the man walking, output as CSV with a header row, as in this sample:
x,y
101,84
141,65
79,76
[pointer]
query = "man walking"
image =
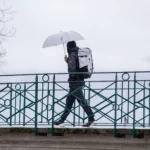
x,y
76,82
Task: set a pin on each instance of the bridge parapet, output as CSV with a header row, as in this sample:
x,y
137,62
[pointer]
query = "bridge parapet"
x,y
120,100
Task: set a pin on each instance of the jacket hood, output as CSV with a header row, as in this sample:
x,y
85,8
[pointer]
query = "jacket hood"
x,y
73,50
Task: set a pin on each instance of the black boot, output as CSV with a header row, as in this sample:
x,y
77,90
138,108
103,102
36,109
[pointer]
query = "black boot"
x,y
89,123
59,122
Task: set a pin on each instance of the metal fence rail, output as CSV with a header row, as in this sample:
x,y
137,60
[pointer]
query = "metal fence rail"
x,y
118,100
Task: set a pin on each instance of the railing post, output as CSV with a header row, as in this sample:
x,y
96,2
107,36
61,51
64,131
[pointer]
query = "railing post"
x,y
74,117
122,102
127,121
89,94
24,104
144,106
149,107
53,106
134,105
36,99
115,119
83,111
49,91
11,106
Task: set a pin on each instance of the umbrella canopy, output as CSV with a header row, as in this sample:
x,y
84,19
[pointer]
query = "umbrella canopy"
x,y
62,38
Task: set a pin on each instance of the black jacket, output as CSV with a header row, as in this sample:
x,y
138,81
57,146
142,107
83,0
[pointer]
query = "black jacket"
x,y
73,64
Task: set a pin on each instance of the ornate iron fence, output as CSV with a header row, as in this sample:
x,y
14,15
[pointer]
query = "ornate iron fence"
x,y
120,100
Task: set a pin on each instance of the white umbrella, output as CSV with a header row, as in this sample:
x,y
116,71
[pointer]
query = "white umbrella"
x,y
62,38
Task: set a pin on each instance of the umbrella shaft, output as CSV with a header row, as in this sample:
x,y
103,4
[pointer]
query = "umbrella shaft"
x,y
64,48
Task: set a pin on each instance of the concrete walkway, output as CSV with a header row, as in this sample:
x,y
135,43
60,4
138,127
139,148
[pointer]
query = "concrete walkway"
x,y
27,141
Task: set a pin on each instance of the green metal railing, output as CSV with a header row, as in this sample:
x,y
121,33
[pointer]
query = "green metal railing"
x,y
119,100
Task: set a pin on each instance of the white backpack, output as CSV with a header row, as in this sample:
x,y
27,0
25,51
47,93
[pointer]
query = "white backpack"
x,y
85,62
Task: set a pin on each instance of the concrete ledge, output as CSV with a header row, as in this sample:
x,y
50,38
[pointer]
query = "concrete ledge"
x,y
27,141
73,131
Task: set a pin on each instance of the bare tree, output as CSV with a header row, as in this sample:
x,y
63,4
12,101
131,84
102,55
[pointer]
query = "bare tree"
x,y
6,15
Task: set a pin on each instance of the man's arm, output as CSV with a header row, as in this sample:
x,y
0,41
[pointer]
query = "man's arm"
x,y
72,65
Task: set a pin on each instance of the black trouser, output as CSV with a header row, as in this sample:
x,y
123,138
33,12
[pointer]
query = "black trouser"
x,y
81,100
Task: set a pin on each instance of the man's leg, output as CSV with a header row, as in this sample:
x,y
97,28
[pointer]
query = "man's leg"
x,y
69,102
81,100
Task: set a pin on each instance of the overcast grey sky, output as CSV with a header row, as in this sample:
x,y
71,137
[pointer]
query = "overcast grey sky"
x,y
117,31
